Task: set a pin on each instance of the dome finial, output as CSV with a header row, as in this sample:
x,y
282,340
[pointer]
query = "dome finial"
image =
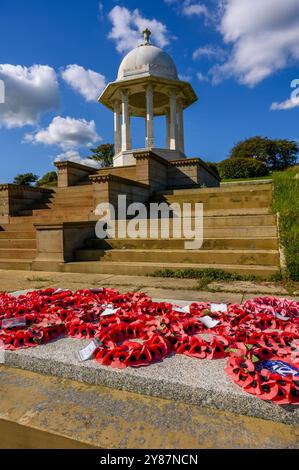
x,y
147,34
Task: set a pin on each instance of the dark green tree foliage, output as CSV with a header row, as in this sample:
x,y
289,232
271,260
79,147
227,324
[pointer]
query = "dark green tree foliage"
x,y
26,179
103,153
242,168
49,180
286,153
213,167
277,154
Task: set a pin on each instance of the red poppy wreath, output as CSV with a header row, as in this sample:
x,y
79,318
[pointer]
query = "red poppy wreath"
x,y
260,338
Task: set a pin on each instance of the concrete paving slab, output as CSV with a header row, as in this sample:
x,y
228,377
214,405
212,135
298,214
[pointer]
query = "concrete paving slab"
x,y
194,296
16,280
249,287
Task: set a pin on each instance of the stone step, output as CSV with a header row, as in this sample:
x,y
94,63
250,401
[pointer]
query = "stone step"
x,y
179,244
15,264
17,234
244,183
242,257
208,232
237,211
17,225
84,202
17,253
18,243
70,210
221,203
224,188
74,191
210,220
29,212
17,219
143,268
237,221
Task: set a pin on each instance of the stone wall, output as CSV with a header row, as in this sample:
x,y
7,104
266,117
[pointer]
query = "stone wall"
x,y
56,243
70,173
151,170
189,172
107,188
14,198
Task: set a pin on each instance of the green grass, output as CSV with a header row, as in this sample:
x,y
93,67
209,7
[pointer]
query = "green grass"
x,y
205,276
286,202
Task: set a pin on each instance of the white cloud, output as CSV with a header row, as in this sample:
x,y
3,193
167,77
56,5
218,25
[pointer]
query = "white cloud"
x,y
209,51
101,11
86,82
264,35
194,9
284,105
29,91
190,8
66,133
74,156
201,77
127,27
185,78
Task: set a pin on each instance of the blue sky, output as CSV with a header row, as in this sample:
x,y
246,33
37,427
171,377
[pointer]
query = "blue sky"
x,y
55,57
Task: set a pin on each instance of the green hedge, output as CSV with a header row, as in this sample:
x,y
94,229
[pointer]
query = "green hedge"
x,y
234,168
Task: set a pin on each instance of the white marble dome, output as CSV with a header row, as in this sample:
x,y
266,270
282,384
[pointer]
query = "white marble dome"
x,y
147,60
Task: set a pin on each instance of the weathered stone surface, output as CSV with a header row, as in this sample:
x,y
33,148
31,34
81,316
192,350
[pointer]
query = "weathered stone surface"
x,y
59,413
267,288
179,378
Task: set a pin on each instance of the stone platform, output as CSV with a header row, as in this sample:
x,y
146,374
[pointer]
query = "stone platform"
x,y
46,412
178,378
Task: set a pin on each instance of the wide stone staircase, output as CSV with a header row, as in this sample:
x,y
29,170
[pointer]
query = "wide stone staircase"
x,y
240,234
18,236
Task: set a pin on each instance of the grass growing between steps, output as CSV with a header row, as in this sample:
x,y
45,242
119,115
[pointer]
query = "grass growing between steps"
x,y
286,202
206,276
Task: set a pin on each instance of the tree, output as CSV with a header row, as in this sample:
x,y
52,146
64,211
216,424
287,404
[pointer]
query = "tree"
x,y
103,153
234,168
276,154
287,152
26,179
49,180
213,167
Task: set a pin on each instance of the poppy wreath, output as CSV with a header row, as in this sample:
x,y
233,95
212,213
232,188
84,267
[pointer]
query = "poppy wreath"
x,y
141,332
247,367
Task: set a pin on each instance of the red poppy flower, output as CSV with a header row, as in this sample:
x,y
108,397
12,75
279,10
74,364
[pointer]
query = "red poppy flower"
x,y
197,349
104,356
254,385
269,389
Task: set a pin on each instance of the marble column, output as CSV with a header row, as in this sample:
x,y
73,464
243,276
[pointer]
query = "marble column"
x,y
117,128
181,139
150,116
168,129
126,126
173,121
